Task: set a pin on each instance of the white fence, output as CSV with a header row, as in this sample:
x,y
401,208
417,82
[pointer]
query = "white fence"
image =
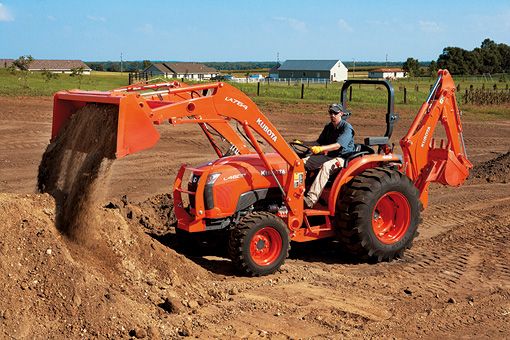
x,y
282,80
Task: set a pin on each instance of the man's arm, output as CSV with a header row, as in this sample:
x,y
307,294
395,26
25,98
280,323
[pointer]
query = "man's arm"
x,y
331,147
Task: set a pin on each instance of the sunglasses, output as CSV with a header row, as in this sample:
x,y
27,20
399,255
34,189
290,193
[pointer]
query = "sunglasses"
x,y
334,113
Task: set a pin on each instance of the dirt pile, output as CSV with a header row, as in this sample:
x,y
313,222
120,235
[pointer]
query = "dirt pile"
x,y
127,283
71,268
75,167
155,214
495,170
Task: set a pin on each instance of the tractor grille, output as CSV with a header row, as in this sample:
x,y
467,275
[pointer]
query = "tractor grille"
x,y
192,186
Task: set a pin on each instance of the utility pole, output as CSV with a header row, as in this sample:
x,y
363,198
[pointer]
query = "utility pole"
x,y
386,59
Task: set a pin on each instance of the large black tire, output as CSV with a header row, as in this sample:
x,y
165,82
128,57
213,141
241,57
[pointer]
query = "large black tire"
x,y
259,244
378,214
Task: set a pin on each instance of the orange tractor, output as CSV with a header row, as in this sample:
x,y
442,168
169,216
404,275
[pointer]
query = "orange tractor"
x,y
372,205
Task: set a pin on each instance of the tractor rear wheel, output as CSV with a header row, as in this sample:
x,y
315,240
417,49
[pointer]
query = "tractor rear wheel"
x,y
259,244
378,214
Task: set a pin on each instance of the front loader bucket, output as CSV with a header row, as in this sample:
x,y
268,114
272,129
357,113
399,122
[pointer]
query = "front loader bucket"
x,y
135,131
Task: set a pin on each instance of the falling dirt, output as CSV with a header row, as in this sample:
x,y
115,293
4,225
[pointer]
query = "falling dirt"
x,y
75,168
132,283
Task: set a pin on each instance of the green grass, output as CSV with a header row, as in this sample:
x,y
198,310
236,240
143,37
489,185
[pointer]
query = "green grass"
x,y
36,85
368,96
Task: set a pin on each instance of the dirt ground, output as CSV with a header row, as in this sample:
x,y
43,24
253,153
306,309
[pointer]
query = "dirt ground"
x,y
134,281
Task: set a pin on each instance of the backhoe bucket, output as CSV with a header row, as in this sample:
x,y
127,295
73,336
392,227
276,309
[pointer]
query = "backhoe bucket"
x,y
451,170
135,131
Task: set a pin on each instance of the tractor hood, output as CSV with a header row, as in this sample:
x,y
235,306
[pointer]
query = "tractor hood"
x,y
231,177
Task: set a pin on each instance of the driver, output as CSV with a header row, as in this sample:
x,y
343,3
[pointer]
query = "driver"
x,y
334,143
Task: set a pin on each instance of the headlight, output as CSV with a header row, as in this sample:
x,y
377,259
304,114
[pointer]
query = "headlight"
x,y
212,178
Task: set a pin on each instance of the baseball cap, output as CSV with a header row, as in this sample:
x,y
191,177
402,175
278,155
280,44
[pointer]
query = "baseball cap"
x,y
337,108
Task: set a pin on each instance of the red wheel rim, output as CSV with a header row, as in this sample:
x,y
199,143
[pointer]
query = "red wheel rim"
x,y
391,217
265,246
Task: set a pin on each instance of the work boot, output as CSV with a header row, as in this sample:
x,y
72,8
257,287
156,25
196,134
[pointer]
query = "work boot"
x,y
308,202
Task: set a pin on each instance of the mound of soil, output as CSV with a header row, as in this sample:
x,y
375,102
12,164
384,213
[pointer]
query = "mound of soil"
x,y
71,268
155,214
495,170
126,284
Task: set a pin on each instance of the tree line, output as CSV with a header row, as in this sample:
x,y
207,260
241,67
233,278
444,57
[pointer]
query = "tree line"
x,y
489,58
131,66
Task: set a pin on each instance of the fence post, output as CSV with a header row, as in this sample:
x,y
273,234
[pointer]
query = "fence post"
x,y
129,78
308,85
327,85
495,87
288,82
471,87
258,88
350,93
466,97
458,88
302,90
405,95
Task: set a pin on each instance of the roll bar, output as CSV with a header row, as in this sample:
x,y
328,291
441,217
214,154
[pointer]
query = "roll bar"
x,y
391,116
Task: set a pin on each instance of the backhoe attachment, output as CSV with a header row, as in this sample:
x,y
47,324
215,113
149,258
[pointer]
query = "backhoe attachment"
x,y
424,161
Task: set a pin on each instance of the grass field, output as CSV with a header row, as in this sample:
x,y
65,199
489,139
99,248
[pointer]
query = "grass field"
x,y
417,90
37,85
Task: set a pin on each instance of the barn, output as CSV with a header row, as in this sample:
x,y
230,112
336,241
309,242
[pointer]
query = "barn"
x,y
331,70
195,71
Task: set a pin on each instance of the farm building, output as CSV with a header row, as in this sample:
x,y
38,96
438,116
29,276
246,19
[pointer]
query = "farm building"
x,y
182,70
332,70
387,73
52,65
273,72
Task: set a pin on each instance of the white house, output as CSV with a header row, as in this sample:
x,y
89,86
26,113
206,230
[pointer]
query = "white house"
x,y
182,70
387,73
51,65
332,70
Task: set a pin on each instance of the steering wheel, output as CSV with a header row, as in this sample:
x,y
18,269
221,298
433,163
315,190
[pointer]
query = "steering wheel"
x,y
300,149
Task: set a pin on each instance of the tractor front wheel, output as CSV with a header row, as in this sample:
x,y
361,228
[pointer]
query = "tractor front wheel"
x,y
378,214
259,244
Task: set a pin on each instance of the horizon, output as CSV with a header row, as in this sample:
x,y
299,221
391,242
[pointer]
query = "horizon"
x,y
228,31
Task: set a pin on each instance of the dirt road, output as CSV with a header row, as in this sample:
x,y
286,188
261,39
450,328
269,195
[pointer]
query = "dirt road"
x,y
454,282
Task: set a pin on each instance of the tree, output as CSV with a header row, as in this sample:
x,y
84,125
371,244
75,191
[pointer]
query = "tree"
x,y
47,75
145,64
22,64
77,72
432,69
412,67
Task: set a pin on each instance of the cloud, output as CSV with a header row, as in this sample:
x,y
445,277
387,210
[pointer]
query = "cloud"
x,y
295,24
94,18
51,18
344,26
429,26
5,14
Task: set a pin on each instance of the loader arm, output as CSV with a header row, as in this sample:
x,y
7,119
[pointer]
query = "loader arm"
x,y
424,162
208,105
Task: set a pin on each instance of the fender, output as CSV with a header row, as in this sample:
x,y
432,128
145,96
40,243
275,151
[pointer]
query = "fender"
x,y
355,167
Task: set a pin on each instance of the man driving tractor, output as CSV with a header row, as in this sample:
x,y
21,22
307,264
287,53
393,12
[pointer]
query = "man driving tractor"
x,y
334,143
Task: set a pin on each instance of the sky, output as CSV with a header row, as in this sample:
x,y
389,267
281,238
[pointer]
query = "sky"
x,y
261,30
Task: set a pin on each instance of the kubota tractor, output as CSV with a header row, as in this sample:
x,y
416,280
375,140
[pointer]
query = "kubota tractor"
x,y
372,205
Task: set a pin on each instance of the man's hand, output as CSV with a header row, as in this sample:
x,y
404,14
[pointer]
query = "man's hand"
x,y
316,149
